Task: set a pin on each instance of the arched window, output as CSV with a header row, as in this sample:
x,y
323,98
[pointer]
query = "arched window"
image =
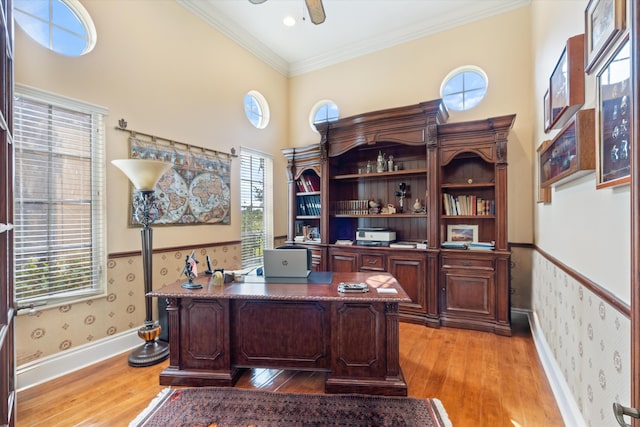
x,y
464,88
63,26
323,111
256,109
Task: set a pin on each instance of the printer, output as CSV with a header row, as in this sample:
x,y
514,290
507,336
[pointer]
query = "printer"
x,y
374,236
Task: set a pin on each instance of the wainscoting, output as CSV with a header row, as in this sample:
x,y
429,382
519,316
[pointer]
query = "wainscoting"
x,y
582,335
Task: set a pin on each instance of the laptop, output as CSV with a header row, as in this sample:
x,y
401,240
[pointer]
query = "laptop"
x,y
285,263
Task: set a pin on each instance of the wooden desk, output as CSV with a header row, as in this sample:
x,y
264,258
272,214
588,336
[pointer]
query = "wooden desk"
x,y
216,331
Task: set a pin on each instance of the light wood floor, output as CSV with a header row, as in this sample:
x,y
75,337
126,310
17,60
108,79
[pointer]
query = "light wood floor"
x,y
482,380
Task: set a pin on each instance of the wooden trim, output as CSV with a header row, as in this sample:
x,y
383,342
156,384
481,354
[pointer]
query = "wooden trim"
x,y
635,215
601,292
174,248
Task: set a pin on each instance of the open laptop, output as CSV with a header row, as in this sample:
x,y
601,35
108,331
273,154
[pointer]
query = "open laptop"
x,y
285,263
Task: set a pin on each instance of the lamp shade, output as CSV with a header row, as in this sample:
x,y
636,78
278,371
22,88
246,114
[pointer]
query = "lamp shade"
x,y
144,174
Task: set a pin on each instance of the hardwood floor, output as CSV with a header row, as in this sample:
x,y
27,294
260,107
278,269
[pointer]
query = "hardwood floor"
x,y
482,380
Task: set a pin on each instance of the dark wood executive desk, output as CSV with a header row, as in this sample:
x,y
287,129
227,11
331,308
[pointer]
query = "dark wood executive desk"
x,y
216,331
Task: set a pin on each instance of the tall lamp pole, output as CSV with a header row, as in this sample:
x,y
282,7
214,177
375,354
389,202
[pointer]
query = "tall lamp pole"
x,y
144,175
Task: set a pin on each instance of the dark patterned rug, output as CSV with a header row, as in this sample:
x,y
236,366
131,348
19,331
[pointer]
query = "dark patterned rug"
x,y
225,407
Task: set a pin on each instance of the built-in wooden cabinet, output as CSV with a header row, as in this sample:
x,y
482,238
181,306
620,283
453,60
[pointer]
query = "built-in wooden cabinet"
x,y
392,170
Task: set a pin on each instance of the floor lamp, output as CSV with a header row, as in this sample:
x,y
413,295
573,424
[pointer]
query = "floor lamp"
x,y
144,175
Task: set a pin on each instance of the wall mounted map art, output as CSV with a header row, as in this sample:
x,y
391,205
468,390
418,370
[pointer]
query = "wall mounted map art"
x,y
195,191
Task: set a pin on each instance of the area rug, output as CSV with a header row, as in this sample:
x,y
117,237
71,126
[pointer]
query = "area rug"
x,y
227,407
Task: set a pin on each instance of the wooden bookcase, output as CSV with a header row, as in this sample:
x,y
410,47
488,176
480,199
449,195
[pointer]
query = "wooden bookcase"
x,y
430,158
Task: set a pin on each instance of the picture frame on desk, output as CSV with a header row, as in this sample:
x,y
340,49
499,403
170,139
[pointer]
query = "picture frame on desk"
x,y
566,84
604,23
461,233
613,117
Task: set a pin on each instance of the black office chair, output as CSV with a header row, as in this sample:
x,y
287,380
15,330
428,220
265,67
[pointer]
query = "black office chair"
x,y
309,253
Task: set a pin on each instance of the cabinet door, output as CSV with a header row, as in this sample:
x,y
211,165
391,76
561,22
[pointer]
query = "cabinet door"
x,y
340,261
411,273
468,294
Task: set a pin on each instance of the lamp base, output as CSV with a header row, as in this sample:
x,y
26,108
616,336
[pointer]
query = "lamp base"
x,y
152,351
148,354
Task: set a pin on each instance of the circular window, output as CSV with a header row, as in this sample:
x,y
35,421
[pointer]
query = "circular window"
x,y
324,111
63,26
256,109
464,88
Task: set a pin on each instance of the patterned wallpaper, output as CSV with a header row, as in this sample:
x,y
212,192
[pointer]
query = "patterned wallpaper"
x,y
47,332
589,338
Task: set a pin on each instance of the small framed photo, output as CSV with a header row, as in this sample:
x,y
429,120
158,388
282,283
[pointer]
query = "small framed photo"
x,y
462,233
604,22
613,119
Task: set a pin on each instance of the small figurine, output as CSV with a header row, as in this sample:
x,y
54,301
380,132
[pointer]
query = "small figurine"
x,y
380,164
191,271
417,206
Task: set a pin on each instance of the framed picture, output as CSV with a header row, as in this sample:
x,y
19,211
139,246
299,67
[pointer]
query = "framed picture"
x,y
544,193
571,153
566,84
613,119
546,111
462,233
604,22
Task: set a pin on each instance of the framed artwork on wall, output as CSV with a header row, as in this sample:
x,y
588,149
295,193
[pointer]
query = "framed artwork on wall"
x,y
604,23
613,119
566,85
571,153
544,193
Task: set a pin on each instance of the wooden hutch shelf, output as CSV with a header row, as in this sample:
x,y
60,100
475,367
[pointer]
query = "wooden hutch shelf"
x,y
409,159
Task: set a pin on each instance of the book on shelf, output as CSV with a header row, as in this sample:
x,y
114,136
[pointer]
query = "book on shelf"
x,y
308,183
408,245
469,205
489,246
454,245
308,205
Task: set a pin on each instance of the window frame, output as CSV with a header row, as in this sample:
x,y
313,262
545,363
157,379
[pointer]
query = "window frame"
x,y
263,115
316,108
460,71
98,281
76,8
251,262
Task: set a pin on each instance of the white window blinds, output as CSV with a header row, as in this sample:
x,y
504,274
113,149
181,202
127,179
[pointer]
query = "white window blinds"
x,y
256,186
60,247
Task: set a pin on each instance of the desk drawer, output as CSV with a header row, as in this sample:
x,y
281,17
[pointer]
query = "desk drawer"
x,y
465,262
375,262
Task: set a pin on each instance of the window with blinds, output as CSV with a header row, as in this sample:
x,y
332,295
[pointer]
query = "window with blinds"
x,y
60,244
256,187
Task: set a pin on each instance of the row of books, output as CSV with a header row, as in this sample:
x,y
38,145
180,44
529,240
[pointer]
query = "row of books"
x,y
467,205
309,205
308,183
351,207
487,246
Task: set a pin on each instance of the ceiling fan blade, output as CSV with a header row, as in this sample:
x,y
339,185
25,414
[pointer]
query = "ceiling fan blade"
x,y
257,1
316,11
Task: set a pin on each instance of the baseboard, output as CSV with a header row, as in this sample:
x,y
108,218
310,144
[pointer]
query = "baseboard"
x,y
65,362
564,398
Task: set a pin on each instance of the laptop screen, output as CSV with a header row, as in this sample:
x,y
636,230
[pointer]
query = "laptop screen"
x,y
285,263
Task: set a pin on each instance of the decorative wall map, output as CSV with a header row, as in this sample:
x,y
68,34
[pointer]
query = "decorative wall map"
x,y
195,191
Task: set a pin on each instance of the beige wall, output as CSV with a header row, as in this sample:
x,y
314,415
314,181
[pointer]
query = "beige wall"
x,y
168,74
585,228
413,72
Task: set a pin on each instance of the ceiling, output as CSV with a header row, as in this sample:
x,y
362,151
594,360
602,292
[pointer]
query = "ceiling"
x,y
352,27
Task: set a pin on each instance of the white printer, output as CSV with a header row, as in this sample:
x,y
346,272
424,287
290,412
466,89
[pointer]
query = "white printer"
x,y
374,236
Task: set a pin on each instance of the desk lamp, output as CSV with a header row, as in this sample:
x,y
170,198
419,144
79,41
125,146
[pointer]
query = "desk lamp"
x,y
144,175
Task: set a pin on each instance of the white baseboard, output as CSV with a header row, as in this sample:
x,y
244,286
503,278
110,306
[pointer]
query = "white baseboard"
x,y
564,398
64,362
